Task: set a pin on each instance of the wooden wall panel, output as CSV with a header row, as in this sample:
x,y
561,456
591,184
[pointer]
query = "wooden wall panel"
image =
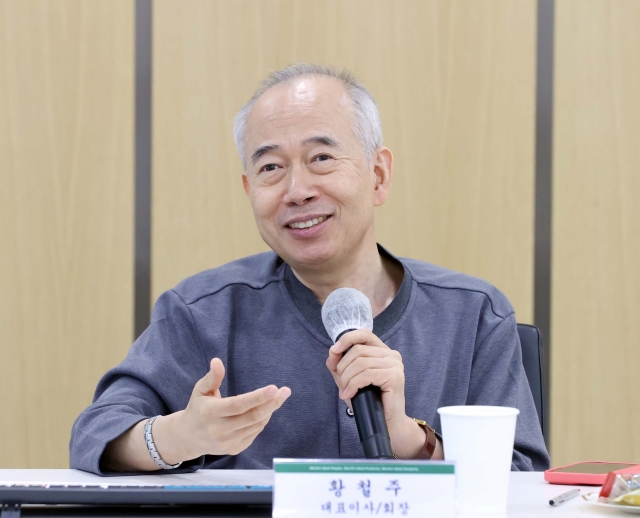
x,y
66,216
596,232
455,84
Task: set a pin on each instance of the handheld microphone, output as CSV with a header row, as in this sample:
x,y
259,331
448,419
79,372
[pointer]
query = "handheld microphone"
x,y
347,309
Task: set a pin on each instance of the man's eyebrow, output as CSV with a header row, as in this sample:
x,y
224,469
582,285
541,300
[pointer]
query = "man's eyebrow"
x,y
262,150
325,140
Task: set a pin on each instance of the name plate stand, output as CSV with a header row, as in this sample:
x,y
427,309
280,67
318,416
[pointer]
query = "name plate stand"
x,y
315,488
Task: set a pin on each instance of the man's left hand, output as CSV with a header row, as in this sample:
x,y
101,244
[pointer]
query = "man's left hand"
x,y
370,362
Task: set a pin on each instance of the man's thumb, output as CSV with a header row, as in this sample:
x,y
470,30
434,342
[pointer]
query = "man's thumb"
x,y
209,385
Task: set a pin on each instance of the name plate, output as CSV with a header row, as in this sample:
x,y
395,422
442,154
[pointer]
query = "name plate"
x,y
314,488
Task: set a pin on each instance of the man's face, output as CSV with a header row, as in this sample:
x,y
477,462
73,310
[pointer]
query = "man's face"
x,y
312,189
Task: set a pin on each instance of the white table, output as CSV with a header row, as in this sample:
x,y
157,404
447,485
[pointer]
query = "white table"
x,y
529,494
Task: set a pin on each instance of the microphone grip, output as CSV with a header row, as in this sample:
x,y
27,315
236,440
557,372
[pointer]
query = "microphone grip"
x,y
371,423
370,420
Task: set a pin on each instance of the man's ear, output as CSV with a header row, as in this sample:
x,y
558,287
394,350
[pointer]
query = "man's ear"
x,y
383,171
245,183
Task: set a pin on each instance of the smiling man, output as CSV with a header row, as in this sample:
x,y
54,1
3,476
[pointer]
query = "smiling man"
x,y
236,367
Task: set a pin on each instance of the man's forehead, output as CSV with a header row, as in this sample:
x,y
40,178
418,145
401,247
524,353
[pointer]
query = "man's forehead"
x,y
300,97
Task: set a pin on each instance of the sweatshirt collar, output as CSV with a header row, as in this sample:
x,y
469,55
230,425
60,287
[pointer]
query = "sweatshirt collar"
x,y
310,307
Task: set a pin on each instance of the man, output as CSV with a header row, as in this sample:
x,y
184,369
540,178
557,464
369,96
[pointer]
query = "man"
x,y
236,364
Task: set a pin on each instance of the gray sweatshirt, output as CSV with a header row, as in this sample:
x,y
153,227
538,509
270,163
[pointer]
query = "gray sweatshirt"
x,y
457,336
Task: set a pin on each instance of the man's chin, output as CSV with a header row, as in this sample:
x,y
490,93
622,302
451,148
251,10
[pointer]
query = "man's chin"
x,y
309,257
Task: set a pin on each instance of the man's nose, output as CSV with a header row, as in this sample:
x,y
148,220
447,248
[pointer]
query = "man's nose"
x,y
301,187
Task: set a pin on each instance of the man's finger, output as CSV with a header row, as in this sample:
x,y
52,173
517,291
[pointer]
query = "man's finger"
x,y
253,429
210,383
359,336
360,351
336,351
336,378
332,360
363,379
260,412
238,405
362,364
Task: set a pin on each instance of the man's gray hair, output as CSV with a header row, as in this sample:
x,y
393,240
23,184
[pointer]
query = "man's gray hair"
x,y
366,123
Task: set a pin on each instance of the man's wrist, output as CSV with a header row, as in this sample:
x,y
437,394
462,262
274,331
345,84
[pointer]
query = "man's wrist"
x,y
151,446
170,443
430,443
407,439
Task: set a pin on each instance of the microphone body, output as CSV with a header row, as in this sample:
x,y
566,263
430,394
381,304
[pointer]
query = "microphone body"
x,y
370,420
346,310
371,423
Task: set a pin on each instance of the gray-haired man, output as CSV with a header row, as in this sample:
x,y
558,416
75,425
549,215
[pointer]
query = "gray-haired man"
x,y
222,342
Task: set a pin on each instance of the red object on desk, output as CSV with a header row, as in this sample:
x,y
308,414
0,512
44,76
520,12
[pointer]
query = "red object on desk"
x,y
607,485
591,473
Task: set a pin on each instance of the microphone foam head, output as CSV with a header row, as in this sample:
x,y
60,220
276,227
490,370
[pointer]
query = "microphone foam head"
x,y
345,309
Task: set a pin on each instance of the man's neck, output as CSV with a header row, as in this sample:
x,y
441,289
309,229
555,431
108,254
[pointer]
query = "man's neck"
x,y
367,271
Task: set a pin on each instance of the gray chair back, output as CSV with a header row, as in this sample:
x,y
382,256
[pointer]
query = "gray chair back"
x,y
531,343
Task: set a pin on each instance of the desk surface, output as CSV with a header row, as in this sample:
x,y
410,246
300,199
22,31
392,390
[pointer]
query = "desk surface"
x,y
529,494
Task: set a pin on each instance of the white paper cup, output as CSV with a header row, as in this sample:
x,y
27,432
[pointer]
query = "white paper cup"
x,y
480,441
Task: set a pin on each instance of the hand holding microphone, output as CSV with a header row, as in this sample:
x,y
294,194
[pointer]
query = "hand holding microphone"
x,y
368,373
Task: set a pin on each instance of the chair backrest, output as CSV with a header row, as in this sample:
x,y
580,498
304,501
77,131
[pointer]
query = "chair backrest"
x,y
531,343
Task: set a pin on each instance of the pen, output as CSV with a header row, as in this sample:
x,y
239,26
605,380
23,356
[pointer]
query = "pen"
x,y
564,497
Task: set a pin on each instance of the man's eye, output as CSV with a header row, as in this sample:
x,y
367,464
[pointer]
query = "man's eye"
x,y
322,158
267,168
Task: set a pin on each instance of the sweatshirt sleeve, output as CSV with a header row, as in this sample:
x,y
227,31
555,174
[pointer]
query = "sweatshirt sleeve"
x,y
498,378
156,378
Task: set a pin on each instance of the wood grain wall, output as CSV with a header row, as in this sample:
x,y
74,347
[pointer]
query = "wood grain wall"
x,y
66,218
455,84
596,232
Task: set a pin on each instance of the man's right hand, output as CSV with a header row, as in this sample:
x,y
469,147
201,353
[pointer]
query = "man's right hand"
x,y
210,425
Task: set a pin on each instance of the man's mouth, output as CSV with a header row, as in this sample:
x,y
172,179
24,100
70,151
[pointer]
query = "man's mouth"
x,y
307,224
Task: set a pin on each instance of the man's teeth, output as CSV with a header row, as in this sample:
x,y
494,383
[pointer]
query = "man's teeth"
x,y
307,224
